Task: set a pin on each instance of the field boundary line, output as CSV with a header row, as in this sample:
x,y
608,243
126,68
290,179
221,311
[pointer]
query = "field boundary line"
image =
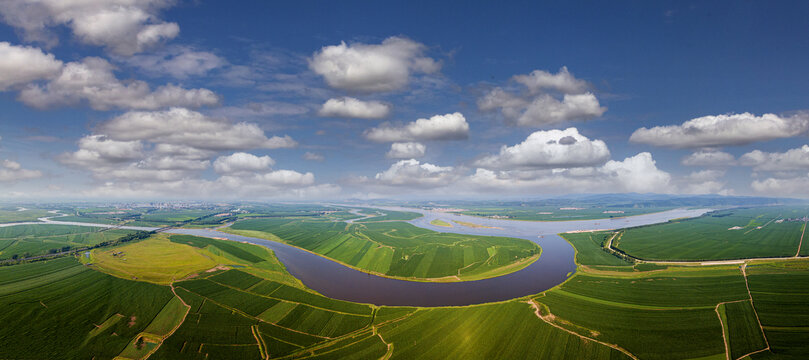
x,y
746,284
240,312
797,254
724,336
171,332
535,306
262,348
281,299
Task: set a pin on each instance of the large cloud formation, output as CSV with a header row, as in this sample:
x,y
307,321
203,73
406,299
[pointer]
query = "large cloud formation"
x,y
536,107
371,68
439,127
92,80
414,173
20,65
12,171
179,126
793,159
723,130
124,27
709,158
349,107
549,149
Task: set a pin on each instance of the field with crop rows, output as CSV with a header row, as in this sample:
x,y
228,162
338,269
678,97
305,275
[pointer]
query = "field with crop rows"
x,y
32,240
395,248
726,234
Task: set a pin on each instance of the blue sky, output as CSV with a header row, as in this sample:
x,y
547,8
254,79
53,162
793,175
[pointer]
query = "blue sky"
x,y
314,100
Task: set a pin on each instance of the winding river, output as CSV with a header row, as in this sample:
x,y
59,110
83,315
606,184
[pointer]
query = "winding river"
x,y
337,281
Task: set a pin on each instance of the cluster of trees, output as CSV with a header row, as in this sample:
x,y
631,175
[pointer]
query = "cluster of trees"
x,y
69,250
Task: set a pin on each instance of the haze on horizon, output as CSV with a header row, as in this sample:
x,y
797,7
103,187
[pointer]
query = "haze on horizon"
x,y
151,99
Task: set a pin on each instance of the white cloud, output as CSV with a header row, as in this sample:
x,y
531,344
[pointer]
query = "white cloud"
x,y
549,149
313,156
703,182
537,108
406,150
709,158
93,80
20,65
413,173
634,174
348,107
178,126
179,62
793,159
795,186
242,163
722,130
439,127
369,68
12,171
562,81
97,151
124,27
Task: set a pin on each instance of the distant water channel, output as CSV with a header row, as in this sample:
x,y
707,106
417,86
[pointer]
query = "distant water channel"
x,y
553,267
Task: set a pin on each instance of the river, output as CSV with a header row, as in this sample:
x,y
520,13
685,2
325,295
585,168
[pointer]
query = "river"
x,y
337,281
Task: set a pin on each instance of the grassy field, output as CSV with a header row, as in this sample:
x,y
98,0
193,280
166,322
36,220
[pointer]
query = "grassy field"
x,y
31,240
726,234
743,333
397,249
438,222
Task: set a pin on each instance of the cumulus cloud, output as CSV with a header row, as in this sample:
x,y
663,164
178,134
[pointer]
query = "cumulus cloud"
x,y
563,81
97,151
242,163
12,171
709,158
20,65
179,126
313,156
722,130
406,150
703,182
549,149
536,107
413,173
792,186
793,159
179,62
92,80
123,27
370,67
348,107
439,127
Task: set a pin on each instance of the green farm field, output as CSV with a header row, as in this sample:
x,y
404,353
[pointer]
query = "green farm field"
x,y
22,241
397,249
758,232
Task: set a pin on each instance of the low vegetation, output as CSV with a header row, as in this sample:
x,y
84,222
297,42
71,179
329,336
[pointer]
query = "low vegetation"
x,y
396,249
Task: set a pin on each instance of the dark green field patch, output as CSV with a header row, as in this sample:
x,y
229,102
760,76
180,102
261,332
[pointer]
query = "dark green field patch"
x,y
224,245
744,334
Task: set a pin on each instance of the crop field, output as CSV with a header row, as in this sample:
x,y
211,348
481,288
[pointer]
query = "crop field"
x,y
507,330
781,298
31,240
74,312
590,249
726,234
395,248
744,336
10,214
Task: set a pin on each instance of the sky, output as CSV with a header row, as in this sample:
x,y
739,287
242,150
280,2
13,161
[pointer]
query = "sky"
x,y
314,100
